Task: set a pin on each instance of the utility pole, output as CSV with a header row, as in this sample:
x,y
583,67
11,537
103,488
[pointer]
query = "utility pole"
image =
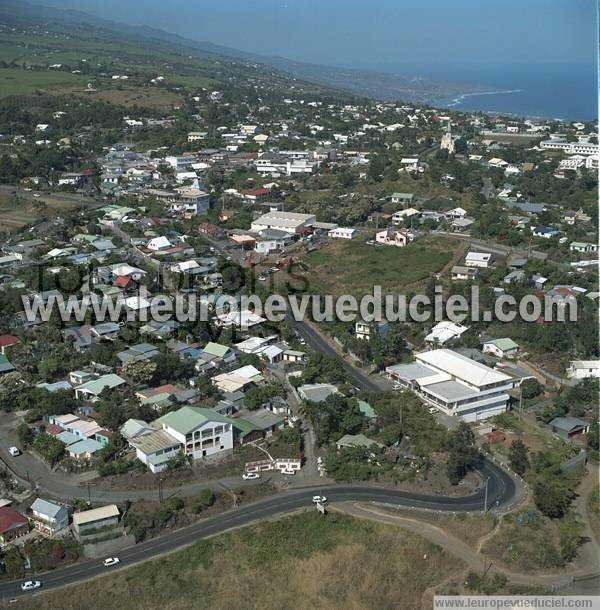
x,y
486,495
160,491
89,493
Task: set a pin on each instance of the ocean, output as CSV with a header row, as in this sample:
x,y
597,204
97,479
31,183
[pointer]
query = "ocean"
x,y
555,91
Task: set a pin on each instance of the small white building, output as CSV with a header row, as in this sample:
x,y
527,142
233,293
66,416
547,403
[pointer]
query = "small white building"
x,y
481,260
342,233
501,348
584,369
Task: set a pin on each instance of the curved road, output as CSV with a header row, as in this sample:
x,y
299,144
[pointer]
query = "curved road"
x,y
501,491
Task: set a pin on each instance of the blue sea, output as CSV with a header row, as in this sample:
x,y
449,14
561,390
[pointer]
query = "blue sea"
x,y
556,91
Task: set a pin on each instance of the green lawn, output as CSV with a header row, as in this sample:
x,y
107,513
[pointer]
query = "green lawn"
x,y
354,267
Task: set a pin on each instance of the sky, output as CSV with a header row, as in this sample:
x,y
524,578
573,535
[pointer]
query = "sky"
x,y
373,33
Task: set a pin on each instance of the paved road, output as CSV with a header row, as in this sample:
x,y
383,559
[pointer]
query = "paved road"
x,y
501,488
318,344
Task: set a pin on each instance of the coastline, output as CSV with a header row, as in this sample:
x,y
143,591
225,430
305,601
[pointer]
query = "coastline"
x,y
462,96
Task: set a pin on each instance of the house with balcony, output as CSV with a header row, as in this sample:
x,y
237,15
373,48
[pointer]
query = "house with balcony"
x,y
199,432
49,517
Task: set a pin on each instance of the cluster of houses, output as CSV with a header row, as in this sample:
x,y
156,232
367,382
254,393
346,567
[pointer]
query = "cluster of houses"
x,y
52,519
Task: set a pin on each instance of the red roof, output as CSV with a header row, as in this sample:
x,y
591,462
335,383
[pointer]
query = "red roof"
x,y
53,429
123,281
6,340
10,519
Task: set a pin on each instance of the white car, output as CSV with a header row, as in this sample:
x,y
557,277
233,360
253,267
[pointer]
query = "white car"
x,y
111,561
288,471
262,278
36,195
250,476
397,386
274,269
14,451
319,499
29,585
432,410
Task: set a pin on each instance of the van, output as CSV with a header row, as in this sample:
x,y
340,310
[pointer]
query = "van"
x,y
14,451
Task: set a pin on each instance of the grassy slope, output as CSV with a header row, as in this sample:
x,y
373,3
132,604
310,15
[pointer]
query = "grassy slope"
x,y
304,561
16,81
353,267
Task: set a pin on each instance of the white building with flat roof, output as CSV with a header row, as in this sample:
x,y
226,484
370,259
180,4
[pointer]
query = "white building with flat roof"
x,y
455,384
290,222
584,369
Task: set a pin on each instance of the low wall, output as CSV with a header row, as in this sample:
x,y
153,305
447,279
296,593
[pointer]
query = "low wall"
x,y
108,547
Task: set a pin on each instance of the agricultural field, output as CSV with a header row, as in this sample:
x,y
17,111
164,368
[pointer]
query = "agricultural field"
x,y
327,562
17,81
354,267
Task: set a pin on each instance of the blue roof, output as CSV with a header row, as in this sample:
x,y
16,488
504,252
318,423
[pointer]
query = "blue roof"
x,y
68,438
47,508
55,387
89,445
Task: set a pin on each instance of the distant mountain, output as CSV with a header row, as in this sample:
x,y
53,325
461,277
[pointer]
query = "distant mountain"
x,y
365,83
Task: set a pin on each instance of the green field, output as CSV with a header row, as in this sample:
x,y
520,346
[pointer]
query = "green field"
x,y
354,267
17,81
305,561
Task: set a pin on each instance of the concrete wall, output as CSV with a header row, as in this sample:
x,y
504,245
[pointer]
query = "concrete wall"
x,y
108,547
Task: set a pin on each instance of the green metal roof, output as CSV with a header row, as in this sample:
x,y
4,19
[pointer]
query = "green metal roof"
x,y
243,426
504,344
216,349
186,419
366,409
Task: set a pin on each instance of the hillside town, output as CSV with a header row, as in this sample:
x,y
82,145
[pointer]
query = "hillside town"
x,y
114,431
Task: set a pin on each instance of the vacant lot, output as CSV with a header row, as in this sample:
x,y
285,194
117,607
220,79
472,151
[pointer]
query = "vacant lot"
x,y
354,267
128,96
16,81
16,213
304,561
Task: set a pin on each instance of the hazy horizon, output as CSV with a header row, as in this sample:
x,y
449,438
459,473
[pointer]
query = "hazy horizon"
x,y
351,33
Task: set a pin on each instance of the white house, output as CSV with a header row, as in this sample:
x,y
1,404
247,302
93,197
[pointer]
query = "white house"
x,y
478,259
401,215
455,384
501,348
445,331
49,517
342,233
200,432
159,243
583,369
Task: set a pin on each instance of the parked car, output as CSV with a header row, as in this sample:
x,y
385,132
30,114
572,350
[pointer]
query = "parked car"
x,y
14,451
274,269
36,195
111,561
319,499
432,410
262,278
250,476
397,386
288,471
29,585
